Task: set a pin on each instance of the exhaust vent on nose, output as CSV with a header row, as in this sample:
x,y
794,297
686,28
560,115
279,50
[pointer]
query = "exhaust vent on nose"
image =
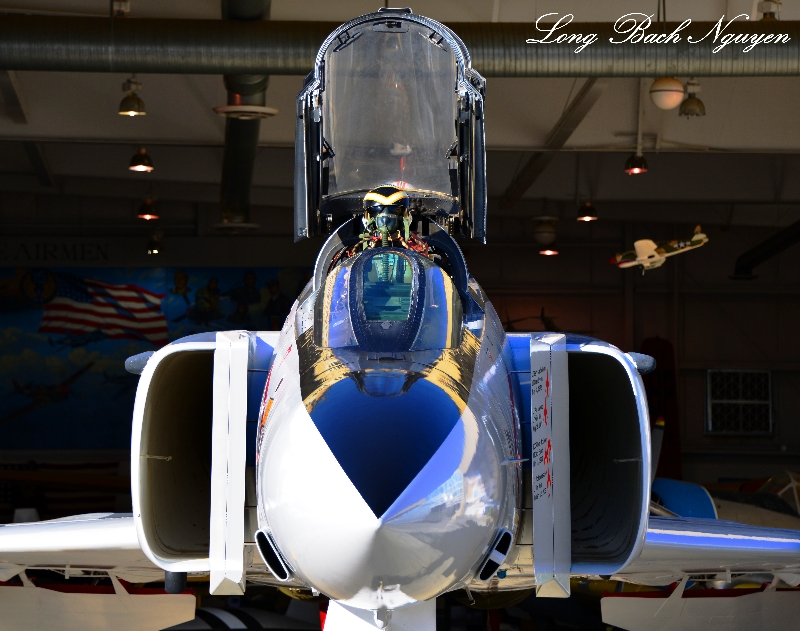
x,y
497,555
271,557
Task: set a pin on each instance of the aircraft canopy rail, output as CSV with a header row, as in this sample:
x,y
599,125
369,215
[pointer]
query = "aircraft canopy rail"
x,y
392,100
429,231
388,299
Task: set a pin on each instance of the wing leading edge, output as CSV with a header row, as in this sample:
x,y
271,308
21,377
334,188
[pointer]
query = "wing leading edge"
x,y
678,547
101,541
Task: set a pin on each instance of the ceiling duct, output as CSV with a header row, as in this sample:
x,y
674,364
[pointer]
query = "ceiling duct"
x,y
241,134
259,47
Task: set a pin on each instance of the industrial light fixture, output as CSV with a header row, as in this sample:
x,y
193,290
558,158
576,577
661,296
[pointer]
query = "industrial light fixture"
x,y
544,233
666,93
141,161
635,164
147,211
155,245
770,11
587,212
132,104
692,106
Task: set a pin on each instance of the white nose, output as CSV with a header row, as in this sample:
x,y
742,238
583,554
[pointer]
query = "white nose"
x,y
343,533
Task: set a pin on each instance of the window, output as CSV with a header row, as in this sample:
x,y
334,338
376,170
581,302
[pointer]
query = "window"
x,y
387,288
739,402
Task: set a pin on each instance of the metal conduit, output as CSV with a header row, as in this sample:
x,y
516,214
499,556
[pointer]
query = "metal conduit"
x,y
241,136
288,48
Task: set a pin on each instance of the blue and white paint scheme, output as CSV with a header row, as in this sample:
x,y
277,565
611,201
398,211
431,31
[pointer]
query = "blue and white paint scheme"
x,y
407,451
391,443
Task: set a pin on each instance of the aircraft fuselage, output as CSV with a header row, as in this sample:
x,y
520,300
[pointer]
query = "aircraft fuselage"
x,y
384,476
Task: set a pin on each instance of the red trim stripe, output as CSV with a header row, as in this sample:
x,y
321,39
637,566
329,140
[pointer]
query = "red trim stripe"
x,y
132,288
114,334
103,323
84,307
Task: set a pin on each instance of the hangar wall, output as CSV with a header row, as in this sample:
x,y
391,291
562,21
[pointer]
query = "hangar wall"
x,y
712,322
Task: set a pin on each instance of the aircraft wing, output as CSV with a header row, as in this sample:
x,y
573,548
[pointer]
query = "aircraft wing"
x,y
76,375
104,542
21,411
676,547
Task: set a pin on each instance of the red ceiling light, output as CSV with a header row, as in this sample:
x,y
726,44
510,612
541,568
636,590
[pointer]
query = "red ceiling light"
x,y
147,211
549,251
635,164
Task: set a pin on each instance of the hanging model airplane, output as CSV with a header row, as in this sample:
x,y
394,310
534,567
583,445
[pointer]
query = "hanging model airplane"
x,y
392,442
649,255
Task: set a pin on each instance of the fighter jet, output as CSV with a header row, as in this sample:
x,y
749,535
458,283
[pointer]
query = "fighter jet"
x,y
123,381
648,254
43,395
392,443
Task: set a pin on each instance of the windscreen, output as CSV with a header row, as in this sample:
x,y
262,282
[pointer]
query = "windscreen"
x,y
387,288
388,300
389,108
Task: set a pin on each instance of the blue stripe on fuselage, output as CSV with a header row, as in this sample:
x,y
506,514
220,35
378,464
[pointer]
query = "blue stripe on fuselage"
x,y
383,442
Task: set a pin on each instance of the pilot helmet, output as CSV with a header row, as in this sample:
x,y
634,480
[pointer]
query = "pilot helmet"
x,y
387,207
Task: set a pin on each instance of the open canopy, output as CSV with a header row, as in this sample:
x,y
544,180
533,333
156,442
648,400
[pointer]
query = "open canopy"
x,y
392,100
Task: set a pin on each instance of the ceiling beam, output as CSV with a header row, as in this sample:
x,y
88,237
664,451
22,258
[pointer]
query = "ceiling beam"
x,y
572,117
13,103
774,245
38,160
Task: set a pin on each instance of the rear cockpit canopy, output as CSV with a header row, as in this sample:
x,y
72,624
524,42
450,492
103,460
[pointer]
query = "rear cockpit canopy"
x,y
388,300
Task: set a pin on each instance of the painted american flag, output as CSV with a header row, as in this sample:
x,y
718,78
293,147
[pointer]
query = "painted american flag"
x,y
84,305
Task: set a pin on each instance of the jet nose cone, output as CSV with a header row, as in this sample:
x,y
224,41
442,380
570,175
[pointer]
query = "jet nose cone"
x,y
383,427
380,499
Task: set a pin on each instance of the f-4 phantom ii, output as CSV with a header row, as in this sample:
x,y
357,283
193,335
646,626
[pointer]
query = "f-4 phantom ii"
x,y
391,443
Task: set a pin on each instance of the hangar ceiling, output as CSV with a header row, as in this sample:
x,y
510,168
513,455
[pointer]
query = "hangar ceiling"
x,y
737,161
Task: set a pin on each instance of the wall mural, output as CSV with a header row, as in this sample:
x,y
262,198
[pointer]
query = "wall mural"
x,y
65,334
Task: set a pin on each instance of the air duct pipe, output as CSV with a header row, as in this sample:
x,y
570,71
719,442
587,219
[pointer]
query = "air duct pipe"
x,y
233,47
241,134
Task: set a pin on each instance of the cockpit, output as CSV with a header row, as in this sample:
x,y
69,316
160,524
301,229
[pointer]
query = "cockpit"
x,y
388,300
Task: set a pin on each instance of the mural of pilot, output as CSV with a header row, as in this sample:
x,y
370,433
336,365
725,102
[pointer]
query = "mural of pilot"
x,y
206,304
243,297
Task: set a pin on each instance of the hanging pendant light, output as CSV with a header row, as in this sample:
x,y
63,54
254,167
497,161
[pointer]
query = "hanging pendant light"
x,y
544,233
147,211
141,161
666,93
587,212
635,164
155,245
132,104
692,106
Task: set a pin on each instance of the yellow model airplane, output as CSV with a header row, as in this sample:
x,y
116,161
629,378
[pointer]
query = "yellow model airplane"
x,y
649,255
